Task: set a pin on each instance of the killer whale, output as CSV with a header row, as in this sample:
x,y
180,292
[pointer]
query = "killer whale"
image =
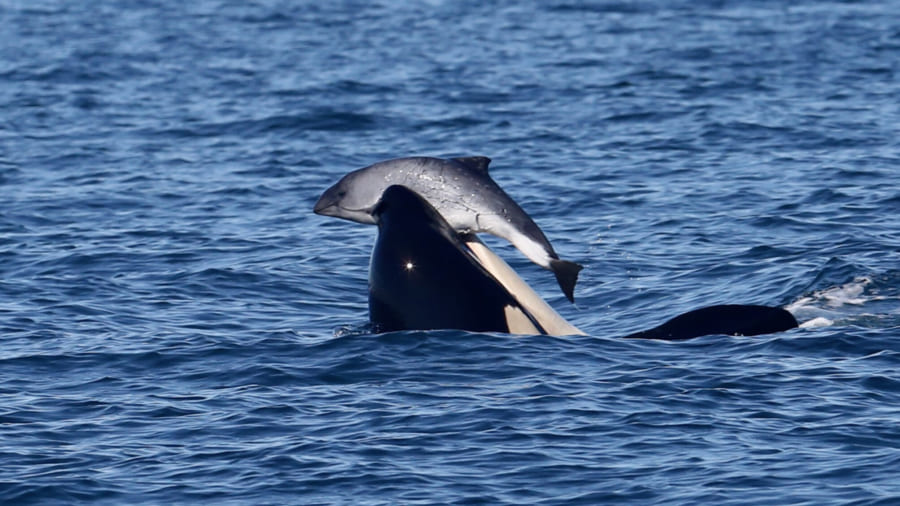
x,y
725,319
424,275
463,193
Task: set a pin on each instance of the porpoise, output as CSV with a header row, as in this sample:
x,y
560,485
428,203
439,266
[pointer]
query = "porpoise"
x,y
462,191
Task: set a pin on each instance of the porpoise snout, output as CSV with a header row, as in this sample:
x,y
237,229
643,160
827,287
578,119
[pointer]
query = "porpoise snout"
x,y
329,203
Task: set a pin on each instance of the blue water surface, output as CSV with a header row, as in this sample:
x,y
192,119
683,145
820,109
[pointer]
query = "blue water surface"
x,y
177,326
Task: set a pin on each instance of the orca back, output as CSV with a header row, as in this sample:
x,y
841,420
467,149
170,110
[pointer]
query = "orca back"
x,y
732,320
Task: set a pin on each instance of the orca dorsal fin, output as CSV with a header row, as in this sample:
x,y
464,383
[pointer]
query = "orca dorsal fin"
x,y
479,163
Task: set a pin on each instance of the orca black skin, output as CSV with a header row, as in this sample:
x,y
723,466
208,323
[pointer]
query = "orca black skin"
x,y
732,320
421,276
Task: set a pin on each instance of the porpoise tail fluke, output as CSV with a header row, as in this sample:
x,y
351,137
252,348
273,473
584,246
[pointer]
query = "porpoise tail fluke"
x,y
566,273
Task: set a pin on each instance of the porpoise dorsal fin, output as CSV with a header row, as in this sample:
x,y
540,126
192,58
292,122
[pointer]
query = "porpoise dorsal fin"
x,y
479,163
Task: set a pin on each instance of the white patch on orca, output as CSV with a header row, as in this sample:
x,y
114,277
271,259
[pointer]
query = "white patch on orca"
x,y
518,322
546,316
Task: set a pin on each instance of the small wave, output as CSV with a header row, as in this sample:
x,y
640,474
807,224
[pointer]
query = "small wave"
x,y
351,330
292,124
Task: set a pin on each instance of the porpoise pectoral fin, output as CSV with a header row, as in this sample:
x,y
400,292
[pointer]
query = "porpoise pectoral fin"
x,y
566,273
479,163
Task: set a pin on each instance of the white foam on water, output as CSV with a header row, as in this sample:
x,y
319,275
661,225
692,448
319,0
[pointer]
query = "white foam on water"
x,y
819,321
823,307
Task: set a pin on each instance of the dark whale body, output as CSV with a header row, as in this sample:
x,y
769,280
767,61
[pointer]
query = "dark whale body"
x,y
424,276
732,320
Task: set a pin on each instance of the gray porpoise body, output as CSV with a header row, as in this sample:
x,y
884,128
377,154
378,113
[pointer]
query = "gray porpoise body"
x,y
462,191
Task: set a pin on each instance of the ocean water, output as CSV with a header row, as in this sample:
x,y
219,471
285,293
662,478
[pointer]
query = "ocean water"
x,y
177,326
